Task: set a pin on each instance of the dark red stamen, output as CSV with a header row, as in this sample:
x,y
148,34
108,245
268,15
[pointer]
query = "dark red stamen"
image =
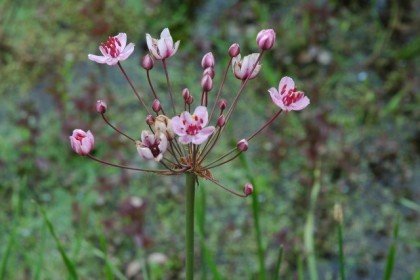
x,y
111,47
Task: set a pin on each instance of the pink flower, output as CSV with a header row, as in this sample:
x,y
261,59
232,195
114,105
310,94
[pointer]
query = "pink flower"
x,y
242,68
113,50
152,146
82,142
266,39
191,128
288,97
162,48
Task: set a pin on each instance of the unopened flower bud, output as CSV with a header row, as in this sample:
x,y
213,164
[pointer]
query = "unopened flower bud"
x,y
207,61
82,142
234,50
147,62
150,120
266,39
221,121
156,106
186,94
248,189
242,145
190,100
207,83
101,106
209,71
222,104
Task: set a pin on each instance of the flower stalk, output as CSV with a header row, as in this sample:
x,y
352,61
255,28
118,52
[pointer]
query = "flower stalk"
x,y
189,225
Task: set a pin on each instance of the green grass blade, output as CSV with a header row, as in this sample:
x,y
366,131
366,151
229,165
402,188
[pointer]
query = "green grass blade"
x,y
278,264
6,255
255,213
71,269
390,261
309,226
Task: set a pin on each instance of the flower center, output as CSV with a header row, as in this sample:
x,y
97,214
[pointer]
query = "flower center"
x,y
291,96
154,148
79,137
195,127
112,46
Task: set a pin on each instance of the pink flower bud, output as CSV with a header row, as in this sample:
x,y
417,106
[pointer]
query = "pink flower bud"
x,y
222,104
234,50
147,62
242,145
101,106
186,94
207,61
209,71
248,189
156,106
221,121
150,120
190,100
207,83
82,142
266,39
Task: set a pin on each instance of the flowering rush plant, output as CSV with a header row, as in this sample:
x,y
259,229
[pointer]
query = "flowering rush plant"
x,y
182,141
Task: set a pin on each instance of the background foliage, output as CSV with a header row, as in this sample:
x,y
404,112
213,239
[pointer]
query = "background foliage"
x,y
358,61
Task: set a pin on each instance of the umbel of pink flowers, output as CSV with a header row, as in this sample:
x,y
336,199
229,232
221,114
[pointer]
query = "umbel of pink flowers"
x,y
183,141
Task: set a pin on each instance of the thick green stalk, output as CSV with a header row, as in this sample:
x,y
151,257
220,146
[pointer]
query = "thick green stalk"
x,y
189,229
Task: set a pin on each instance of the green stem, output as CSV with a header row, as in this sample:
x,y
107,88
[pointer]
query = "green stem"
x,y
340,248
189,229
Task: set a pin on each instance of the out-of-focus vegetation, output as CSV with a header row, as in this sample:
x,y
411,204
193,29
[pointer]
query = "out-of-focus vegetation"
x,y
358,61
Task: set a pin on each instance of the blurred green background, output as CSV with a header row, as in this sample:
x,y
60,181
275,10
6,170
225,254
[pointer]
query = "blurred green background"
x,y
358,62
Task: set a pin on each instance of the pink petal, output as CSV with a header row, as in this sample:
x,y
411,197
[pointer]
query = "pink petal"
x,y
202,113
301,104
275,96
202,135
175,48
145,153
126,52
177,126
97,58
112,61
185,139
288,82
122,37
163,48
165,33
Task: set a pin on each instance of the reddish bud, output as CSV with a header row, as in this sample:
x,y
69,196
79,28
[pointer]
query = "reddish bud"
x,y
248,189
190,100
147,62
222,104
207,61
207,83
242,145
209,71
150,120
186,94
234,50
221,121
101,106
266,39
156,106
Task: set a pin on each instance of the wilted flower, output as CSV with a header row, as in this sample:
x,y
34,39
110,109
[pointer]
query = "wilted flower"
x,y
191,128
82,142
114,50
266,39
242,68
152,146
162,48
163,124
288,97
